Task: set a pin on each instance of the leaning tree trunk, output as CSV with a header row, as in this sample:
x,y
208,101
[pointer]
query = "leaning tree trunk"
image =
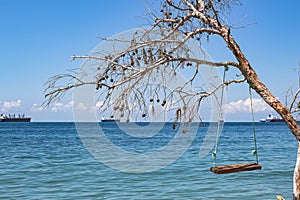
x,y
256,83
268,97
297,176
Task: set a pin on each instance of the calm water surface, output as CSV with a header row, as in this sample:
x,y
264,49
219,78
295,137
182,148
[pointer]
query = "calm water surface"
x,y
49,161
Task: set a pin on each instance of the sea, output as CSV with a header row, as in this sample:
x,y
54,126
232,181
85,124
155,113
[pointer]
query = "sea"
x,y
41,160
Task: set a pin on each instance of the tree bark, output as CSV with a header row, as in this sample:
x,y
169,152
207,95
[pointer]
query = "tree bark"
x,y
259,87
296,192
256,84
263,91
250,74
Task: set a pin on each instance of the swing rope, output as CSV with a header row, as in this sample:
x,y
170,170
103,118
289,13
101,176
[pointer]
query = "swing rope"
x,y
214,154
254,151
253,126
242,166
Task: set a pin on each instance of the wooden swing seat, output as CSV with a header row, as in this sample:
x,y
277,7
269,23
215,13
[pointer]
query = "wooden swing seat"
x,y
235,168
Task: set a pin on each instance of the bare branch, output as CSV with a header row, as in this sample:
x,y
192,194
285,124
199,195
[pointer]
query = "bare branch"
x,y
159,53
294,100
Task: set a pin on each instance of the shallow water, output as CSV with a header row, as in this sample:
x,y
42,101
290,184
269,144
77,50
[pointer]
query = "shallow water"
x,y
49,161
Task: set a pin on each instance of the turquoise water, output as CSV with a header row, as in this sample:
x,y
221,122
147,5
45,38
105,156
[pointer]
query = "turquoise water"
x,y
49,161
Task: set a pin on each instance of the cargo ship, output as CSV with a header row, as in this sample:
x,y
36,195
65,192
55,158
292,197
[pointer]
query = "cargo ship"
x,y
14,118
109,120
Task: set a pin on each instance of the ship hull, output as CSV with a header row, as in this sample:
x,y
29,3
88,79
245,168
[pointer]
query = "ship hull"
x,y
16,120
276,120
272,118
110,120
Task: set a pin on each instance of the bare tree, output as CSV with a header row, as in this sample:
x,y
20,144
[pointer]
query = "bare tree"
x,y
158,52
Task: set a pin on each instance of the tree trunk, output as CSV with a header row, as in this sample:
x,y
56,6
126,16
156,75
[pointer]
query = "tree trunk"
x,y
296,192
263,91
259,87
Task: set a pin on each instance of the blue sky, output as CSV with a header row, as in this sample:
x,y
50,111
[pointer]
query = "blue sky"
x,y
38,38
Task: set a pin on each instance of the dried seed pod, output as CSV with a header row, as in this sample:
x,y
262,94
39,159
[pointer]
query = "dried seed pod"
x,y
158,100
150,54
98,86
159,52
167,15
152,110
131,61
116,107
174,126
151,100
143,115
178,114
144,52
137,62
121,108
189,64
164,103
111,80
182,64
144,55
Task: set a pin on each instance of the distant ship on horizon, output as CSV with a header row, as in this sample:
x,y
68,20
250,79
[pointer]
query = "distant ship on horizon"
x,y
272,118
103,119
14,118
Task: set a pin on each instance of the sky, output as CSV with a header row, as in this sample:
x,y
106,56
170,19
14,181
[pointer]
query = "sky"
x,y
38,38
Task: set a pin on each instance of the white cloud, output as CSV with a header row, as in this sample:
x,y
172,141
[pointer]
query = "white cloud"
x,y
8,105
58,107
80,107
245,106
99,104
37,108
69,105
62,107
